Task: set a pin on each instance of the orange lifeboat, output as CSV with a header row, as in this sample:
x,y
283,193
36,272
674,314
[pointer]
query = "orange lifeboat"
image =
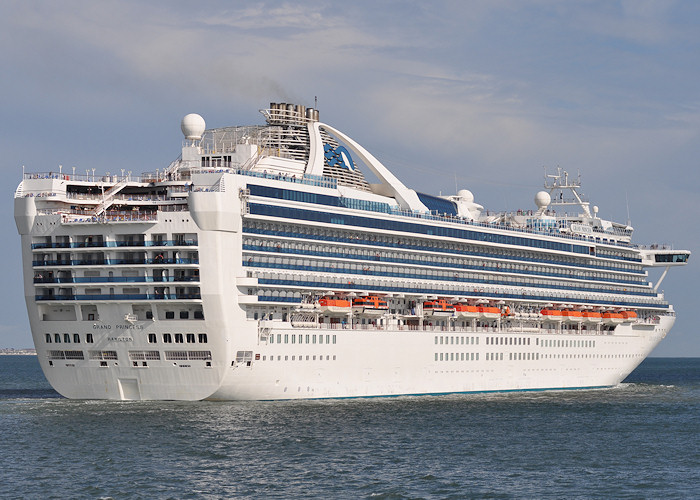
x,y
612,318
466,311
334,305
489,312
592,317
371,305
572,316
438,307
552,314
628,316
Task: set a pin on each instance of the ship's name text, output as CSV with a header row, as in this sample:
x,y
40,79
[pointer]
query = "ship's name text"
x,y
117,327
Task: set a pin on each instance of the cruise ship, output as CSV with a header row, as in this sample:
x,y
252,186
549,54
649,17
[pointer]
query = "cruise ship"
x,y
285,261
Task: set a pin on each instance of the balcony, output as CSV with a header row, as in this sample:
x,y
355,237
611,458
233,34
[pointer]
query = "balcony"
x,y
120,296
117,243
117,279
64,244
111,262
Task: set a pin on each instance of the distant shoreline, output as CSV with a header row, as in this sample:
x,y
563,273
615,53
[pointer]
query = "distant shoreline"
x,y
17,352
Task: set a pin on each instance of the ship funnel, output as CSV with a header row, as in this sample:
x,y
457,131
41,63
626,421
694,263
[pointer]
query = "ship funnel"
x,y
283,113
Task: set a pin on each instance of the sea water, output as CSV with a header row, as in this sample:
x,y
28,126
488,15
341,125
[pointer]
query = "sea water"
x,y
637,440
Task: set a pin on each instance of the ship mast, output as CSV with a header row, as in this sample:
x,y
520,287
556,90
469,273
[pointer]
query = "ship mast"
x,y
558,183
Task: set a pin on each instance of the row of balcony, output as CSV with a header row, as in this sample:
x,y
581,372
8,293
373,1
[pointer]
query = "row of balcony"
x,y
118,243
109,262
115,279
120,296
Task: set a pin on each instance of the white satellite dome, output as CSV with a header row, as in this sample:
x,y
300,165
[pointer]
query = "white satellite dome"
x,y
466,195
193,126
542,199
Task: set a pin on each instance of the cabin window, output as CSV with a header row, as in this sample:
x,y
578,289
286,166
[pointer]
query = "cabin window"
x,y
48,338
152,338
202,338
76,338
178,338
184,314
89,339
167,338
66,338
57,338
190,338
169,314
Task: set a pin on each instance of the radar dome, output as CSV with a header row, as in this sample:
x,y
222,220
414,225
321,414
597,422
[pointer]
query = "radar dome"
x,y
193,126
466,195
542,199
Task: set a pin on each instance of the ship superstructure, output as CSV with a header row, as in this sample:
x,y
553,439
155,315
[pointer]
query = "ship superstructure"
x,y
262,264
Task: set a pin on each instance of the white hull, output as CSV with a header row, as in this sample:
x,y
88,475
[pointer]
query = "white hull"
x,y
364,363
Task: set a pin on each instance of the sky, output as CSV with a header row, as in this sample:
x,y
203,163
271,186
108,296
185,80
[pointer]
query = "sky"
x,y
478,95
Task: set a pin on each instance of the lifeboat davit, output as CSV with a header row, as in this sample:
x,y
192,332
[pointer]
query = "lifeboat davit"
x,y
371,305
552,314
438,307
334,305
465,311
487,312
612,318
